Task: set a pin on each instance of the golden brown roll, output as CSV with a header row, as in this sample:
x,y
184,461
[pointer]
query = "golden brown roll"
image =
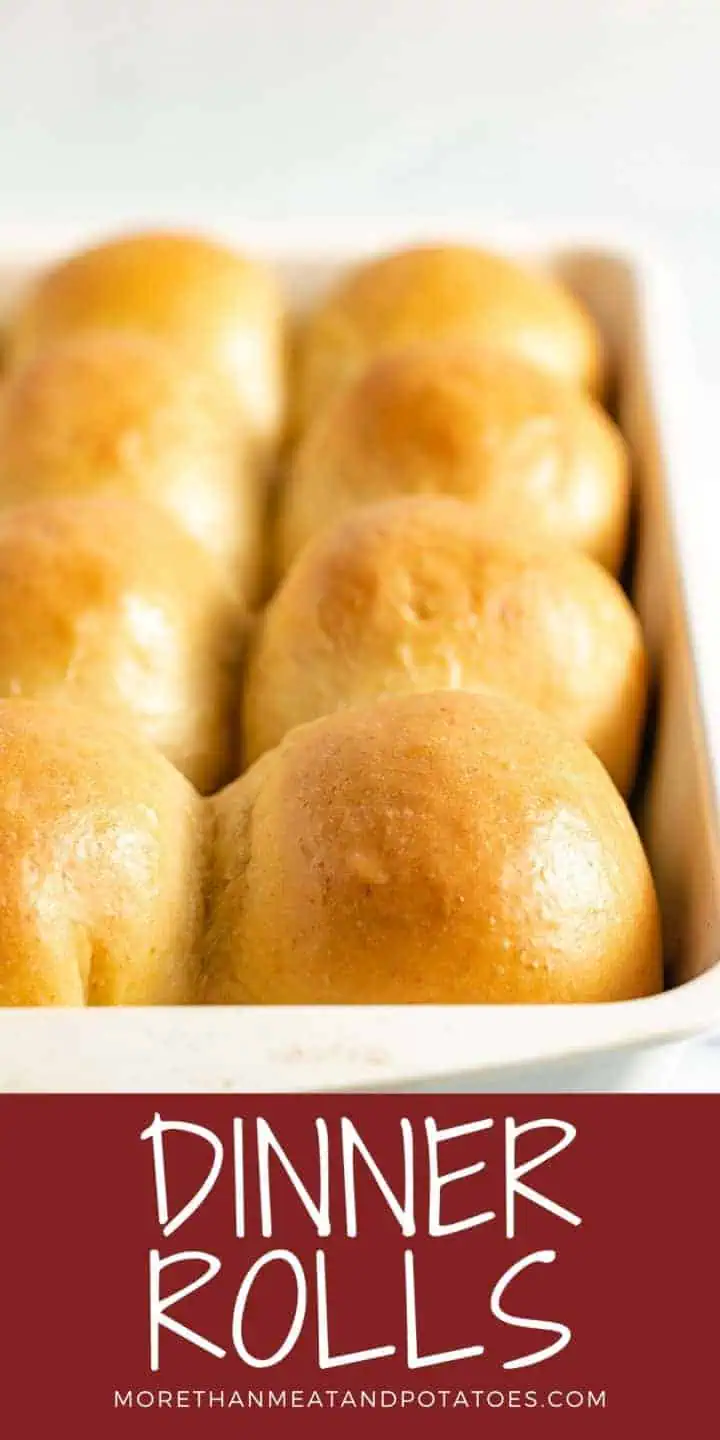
x,y
220,308
537,458
101,864
124,415
443,292
414,595
106,603
438,848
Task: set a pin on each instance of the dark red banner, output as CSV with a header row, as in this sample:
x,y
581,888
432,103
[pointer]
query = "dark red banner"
x,y
353,1266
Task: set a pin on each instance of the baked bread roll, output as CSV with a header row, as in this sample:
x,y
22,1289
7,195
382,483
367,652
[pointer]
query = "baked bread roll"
x,y
414,595
443,292
124,415
433,848
218,307
102,864
106,603
536,458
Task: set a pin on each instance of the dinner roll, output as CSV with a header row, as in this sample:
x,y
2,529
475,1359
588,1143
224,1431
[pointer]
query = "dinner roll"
x,y
535,457
414,595
216,306
444,847
101,864
124,415
105,602
443,292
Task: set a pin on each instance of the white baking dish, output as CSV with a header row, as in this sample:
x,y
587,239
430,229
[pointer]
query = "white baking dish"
x,y
622,1046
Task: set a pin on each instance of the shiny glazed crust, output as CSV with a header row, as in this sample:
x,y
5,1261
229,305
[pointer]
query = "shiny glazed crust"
x,y
443,292
102,854
414,594
105,602
125,415
432,848
220,308
537,458
428,836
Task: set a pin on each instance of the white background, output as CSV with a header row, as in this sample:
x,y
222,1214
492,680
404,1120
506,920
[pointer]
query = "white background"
x,y
144,110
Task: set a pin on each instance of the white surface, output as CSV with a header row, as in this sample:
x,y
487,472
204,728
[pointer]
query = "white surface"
x,y
133,110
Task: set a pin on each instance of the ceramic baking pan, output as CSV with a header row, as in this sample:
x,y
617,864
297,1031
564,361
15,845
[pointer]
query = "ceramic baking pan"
x,y
627,1045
